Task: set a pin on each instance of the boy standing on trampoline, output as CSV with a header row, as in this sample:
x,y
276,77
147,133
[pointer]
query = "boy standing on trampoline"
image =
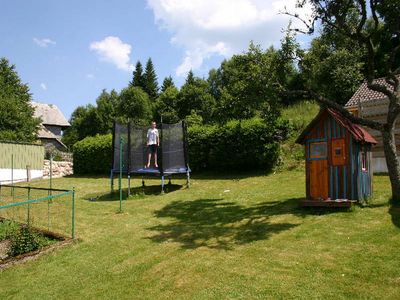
x,y
153,142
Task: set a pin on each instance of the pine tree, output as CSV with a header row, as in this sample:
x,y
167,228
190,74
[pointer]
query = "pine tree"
x,y
190,78
150,80
168,82
138,78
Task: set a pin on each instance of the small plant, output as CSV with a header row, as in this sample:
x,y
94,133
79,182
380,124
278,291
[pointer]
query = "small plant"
x,y
7,229
23,241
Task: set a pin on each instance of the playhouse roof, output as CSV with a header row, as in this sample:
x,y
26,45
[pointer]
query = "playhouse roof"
x,y
357,131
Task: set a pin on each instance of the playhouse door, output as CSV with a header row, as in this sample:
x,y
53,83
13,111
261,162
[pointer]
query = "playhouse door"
x,y
318,170
319,179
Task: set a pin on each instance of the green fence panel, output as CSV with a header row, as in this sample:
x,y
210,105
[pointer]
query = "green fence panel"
x,y
24,155
51,210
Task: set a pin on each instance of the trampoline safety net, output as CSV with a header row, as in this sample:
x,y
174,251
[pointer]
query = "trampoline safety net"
x,y
173,148
138,140
172,155
120,131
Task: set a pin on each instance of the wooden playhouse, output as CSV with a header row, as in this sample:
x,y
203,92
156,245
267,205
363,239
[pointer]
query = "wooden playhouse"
x,y
338,160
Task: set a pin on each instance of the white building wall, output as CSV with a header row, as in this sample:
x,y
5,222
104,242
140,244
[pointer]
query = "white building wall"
x,y
18,175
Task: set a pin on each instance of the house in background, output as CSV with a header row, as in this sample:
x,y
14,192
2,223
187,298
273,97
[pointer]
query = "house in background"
x,y
52,126
374,106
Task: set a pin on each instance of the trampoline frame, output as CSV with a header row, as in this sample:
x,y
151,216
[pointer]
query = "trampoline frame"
x,y
149,172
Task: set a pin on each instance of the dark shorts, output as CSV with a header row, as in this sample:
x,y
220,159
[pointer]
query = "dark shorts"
x,y
153,149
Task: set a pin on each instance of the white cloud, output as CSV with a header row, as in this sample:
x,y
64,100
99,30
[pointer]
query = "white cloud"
x,y
89,76
44,43
43,86
204,28
113,50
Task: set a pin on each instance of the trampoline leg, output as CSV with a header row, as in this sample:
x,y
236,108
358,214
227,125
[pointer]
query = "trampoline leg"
x,y
188,180
143,185
162,184
112,181
169,181
129,185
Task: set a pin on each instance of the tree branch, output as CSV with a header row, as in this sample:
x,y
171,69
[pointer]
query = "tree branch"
x,y
363,16
392,57
372,5
379,88
333,105
309,26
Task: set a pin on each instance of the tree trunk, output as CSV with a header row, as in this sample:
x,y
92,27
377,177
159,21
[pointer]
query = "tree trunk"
x,y
393,165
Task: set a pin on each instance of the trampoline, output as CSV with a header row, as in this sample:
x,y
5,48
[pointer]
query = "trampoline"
x,y
130,152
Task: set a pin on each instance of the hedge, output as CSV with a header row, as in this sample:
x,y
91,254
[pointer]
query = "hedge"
x,y
237,145
93,155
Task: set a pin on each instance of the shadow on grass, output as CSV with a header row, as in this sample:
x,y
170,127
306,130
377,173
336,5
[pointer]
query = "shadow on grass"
x,y
219,224
394,211
226,175
197,175
135,192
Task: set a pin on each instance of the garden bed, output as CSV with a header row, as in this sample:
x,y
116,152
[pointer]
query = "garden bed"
x,y
19,243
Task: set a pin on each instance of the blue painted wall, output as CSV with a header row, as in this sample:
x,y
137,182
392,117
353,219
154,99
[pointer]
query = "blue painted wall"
x,y
345,181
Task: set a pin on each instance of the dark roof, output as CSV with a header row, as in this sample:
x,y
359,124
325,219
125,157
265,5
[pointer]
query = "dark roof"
x,y
357,131
50,114
364,94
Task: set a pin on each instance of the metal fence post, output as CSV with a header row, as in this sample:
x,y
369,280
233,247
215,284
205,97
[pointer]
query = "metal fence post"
x,y
51,172
29,207
12,169
73,213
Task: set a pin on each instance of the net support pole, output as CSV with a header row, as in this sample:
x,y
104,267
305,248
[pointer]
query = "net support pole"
x,y
112,181
129,185
185,152
120,174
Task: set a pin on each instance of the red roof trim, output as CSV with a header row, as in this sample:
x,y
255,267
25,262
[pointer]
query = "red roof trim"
x,y
358,132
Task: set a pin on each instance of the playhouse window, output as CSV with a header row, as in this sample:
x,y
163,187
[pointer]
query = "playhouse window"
x,y
364,161
318,150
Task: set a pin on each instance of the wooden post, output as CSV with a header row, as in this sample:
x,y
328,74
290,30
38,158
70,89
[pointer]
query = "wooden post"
x,y
28,173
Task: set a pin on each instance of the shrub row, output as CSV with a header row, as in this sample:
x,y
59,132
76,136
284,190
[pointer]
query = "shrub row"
x,y
237,145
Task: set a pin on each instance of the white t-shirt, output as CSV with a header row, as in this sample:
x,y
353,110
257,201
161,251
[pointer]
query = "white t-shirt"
x,y
152,135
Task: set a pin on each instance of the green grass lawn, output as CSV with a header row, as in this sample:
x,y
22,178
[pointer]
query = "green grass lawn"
x,y
226,237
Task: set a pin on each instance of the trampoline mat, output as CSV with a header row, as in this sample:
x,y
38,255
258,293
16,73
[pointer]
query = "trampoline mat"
x,y
155,171
146,171
176,171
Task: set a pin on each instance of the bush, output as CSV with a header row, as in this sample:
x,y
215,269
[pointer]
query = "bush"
x,y
23,241
237,145
93,155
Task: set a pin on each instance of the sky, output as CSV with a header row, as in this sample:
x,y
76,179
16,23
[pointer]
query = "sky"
x,y
68,51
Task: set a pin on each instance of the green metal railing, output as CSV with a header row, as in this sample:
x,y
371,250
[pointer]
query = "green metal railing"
x,y
52,210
